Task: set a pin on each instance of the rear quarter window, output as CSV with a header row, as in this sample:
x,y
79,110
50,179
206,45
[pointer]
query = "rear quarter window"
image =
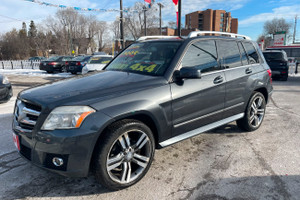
x,y
251,52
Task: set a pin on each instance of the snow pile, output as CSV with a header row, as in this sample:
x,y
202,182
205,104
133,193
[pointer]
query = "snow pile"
x,y
32,72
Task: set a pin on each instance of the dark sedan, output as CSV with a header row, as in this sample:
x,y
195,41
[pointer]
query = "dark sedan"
x,y
55,64
76,64
5,89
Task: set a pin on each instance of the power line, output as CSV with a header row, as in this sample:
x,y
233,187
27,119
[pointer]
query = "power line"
x,y
11,18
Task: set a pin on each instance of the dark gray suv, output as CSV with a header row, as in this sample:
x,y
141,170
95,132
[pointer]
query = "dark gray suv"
x,y
153,94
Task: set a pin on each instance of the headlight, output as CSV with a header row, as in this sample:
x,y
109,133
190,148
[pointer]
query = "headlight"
x,y
67,117
5,80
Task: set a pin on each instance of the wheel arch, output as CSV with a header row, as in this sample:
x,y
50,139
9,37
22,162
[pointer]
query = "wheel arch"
x,y
264,91
143,117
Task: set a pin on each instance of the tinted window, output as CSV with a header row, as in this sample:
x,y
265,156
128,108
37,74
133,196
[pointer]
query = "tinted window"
x,y
67,58
81,58
55,58
274,56
152,58
230,54
243,54
202,55
251,52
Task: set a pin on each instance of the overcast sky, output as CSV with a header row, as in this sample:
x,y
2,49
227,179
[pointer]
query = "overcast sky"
x,y
251,13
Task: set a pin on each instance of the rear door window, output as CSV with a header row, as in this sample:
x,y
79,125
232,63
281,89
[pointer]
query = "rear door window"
x,y
230,54
202,55
243,54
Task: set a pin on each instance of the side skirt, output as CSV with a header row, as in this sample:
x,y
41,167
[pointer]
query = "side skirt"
x,y
200,130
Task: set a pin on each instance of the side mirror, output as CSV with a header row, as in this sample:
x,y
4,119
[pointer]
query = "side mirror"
x,y
187,72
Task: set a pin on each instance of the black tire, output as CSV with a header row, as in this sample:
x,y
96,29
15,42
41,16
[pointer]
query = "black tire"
x,y
73,73
285,78
63,69
114,157
254,113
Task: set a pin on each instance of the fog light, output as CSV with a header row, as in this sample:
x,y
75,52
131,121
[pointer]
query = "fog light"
x,y
57,161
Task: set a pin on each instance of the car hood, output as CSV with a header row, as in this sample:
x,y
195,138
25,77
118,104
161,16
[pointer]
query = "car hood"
x,y
90,89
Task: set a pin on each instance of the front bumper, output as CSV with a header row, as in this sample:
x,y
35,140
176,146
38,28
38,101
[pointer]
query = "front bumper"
x,y
74,146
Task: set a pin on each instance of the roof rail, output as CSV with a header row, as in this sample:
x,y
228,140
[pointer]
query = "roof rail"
x,y
156,37
199,33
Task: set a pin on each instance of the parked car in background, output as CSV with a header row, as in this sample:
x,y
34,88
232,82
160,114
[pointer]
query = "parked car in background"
x,y
292,61
37,58
99,53
278,62
97,63
55,64
155,93
5,89
76,64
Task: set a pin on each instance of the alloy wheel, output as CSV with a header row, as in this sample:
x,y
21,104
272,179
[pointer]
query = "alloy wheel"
x,y
257,111
129,156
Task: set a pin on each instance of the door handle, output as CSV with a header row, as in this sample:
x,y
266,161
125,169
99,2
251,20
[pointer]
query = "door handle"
x,y
218,79
248,71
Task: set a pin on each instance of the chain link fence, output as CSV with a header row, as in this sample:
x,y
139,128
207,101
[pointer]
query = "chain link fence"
x,y
19,64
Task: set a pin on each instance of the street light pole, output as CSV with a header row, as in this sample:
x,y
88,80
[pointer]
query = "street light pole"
x,y
179,18
121,25
145,20
160,18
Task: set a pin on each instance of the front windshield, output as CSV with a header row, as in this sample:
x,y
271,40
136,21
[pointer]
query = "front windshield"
x,y
151,58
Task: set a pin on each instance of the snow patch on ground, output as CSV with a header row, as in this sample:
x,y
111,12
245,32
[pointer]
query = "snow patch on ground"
x,y
33,72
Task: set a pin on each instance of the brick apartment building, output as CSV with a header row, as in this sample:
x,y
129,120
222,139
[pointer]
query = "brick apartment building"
x,y
211,20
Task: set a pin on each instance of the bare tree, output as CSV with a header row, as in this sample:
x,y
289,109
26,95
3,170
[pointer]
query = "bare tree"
x,y
115,28
10,45
102,29
134,21
275,25
267,40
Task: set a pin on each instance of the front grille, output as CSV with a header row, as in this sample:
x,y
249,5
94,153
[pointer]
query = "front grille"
x,y
26,114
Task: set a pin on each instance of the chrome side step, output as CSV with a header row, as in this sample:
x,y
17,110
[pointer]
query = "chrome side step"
x,y
201,130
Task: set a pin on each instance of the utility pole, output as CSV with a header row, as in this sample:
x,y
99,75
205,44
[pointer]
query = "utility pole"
x,y
145,20
160,18
121,25
294,35
179,18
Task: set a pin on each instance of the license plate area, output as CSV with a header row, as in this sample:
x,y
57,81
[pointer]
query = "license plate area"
x,y
16,141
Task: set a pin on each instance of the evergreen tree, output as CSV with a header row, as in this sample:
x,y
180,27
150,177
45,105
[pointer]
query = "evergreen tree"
x,y
24,28
32,30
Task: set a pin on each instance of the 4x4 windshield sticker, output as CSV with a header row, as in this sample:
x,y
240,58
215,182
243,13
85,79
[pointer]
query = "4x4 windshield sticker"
x,y
148,67
142,67
105,62
129,53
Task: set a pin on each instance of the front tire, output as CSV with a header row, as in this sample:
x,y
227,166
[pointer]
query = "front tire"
x,y
124,154
254,113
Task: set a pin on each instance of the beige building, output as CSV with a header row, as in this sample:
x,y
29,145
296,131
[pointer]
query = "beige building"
x,y
211,20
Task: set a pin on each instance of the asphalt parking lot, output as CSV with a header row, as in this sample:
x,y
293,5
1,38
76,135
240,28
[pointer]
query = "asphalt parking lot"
x,y
224,163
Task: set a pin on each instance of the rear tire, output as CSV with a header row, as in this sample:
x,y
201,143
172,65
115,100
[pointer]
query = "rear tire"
x,y
254,113
123,154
